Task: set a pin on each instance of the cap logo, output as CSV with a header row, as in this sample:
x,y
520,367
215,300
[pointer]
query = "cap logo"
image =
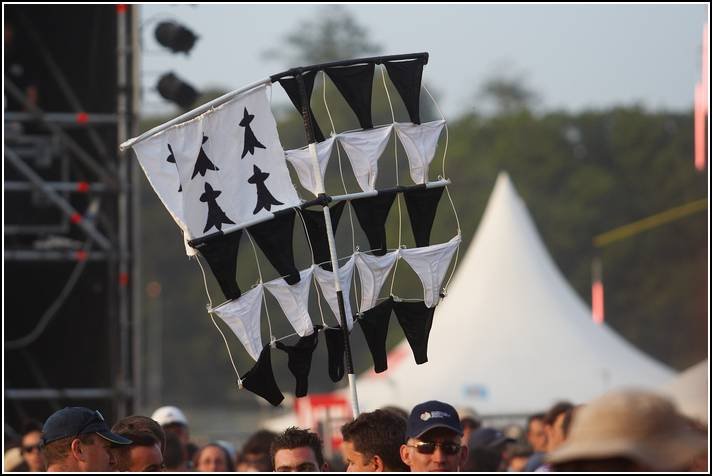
x,y
425,416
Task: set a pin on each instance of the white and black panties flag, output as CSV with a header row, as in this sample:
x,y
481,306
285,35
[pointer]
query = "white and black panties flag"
x,y
222,170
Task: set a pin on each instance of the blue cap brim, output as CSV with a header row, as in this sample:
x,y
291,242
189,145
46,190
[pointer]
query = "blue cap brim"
x,y
438,425
114,438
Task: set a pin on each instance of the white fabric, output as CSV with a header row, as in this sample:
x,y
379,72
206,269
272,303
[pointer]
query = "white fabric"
x,y
420,142
163,176
373,271
224,147
328,289
510,322
302,162
364,148
430,263
242,315
294,300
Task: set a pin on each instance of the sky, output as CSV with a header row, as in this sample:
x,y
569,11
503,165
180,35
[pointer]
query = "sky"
x,y
574,57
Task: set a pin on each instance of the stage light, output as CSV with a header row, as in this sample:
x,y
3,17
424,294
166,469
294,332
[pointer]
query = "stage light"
x,y
176,90
175,37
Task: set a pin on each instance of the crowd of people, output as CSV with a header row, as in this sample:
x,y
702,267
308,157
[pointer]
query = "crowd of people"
x,y
628,430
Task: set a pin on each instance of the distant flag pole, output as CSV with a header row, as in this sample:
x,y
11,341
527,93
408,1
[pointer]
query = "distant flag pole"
x,y
597,291
702,105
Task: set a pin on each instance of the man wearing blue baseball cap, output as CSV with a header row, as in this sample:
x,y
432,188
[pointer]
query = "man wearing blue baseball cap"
x,y
433,439
77,439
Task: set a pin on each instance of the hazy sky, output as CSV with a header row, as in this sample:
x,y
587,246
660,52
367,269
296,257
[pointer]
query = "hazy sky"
x,y
573,56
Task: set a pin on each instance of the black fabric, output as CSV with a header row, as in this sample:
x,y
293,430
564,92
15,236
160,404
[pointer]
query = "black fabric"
x,y
265,199
274,238
372,213
374,325
356,86
292,89
216,216
416,319
422,205
221,255
260,379
316,229
335,348
406,77
299,358
203,162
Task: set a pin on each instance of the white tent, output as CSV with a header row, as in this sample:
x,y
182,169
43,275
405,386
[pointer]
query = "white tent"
x,y
690,391
512,337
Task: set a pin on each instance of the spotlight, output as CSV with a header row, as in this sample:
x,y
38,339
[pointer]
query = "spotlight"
x,y
175,37
176,90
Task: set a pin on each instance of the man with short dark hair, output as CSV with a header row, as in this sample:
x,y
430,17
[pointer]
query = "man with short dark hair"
x,y
298,450
434,439
372,442
553,427
254,455
145,454
77,439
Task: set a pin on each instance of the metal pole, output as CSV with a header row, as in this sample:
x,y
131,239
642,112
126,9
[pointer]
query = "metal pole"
x,y
136,279
122,285
348,362
192,114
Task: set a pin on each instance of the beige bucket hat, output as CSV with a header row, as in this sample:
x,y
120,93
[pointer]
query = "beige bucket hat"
x,y
640,425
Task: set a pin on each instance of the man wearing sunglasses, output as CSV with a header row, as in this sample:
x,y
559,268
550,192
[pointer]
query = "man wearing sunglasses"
x,y
77,439
433,439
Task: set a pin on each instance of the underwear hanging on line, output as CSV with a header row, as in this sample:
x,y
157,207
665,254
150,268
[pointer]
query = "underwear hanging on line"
x,y
260,379
299,359
335,348
431,264
416,319
374,325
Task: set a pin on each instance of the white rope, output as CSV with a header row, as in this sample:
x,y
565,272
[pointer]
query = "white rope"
x,y
316,288
264,298
447,189
212,318
395,154
338,156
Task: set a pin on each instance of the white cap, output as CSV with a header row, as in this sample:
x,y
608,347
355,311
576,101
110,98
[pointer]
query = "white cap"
x,y
168,415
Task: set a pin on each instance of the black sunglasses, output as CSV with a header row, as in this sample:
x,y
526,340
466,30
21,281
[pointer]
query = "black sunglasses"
x,y
428,447
31,448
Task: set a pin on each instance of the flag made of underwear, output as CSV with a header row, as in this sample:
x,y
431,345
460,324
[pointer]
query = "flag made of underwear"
x,y
221,169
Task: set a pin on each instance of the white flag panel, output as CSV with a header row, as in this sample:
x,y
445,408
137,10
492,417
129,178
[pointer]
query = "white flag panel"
x,y
242,315
420,142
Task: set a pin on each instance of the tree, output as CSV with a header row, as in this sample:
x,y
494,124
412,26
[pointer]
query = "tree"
x,y
507,94
332,36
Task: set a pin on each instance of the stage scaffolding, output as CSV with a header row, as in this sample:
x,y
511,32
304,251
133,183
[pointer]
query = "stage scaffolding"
x,y
87,218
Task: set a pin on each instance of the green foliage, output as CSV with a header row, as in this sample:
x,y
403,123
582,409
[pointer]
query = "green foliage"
x,y
332,35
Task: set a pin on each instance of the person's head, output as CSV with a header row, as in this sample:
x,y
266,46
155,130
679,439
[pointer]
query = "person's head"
x,y
433,439
536,435
554,425
470,421
297,450
486,447
516,457
175,457
173,421
372,442
629,430
213,458
145,454
31,446
78,439
254,455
